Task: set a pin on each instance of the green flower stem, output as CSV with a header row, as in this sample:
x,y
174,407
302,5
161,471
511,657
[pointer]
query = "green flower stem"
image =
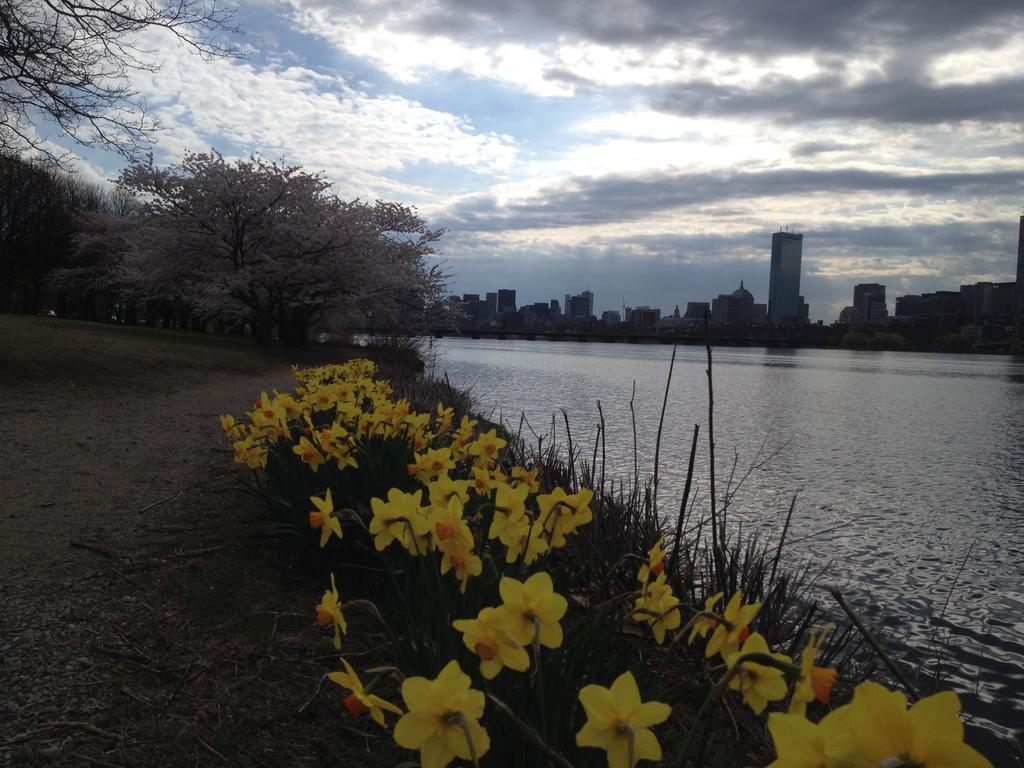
x,y
529,732
459,719
723,684
538,678
627,729
620,562
694,619
351,514
372,609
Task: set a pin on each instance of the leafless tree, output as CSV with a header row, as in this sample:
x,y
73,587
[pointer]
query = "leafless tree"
x,y
70,62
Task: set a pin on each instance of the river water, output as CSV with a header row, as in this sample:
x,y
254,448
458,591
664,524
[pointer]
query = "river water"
x,y
903,463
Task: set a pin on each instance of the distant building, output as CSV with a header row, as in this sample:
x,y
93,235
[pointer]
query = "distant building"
x,y
930,305
909,306
784,278
846,317
611,316
869,305
491,302
580,307
556,310
981,301
759,314
1018,296
506,300
644,318
695,310
736,308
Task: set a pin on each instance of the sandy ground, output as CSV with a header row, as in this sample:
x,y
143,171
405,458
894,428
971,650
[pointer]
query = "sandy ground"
x,y
141,618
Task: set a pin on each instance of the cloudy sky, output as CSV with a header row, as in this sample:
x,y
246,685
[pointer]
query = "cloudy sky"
x,y
647,149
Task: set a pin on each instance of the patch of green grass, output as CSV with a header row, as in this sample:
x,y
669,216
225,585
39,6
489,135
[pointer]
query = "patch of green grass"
x,y
37,350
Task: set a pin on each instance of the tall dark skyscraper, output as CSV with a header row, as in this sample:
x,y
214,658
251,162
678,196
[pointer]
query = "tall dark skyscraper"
x,y
1018,294
784,280
506,300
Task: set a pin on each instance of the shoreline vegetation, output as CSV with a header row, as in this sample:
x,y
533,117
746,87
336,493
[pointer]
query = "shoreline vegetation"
x,y
437,524
614,593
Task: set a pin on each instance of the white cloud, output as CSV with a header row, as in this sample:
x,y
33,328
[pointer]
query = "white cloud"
x,y
972,66
312,118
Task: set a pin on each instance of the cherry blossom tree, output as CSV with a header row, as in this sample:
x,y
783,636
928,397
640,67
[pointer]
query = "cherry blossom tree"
x,y
256,241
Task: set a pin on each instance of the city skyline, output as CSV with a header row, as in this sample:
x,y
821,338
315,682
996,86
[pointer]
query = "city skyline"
x,y
645,152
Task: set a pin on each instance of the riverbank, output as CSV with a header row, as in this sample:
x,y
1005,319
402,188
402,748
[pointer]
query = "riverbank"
x,y
149,530
145,616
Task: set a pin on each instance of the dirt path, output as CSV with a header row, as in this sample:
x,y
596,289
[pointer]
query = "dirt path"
x,y
139,622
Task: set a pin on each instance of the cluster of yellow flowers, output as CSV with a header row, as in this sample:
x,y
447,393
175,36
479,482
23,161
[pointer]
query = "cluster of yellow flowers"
x,y
335,405
469,502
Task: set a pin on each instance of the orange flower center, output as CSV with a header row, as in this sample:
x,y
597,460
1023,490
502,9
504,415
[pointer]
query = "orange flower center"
x,y
490,449
268,414
658,568
444,531
458,562
323,616
316,520
744,634
412,469
486,649
437,466
822,680
354,705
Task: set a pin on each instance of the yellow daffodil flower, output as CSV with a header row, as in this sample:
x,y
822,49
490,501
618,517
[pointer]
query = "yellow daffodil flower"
x,y
815,682
323,517
443,719
655,562
619,722
928,735
482,482
400,519
444,489
532,610
230,428
328,611
486,448
726,640
705,624
459,557
510,520
799,743
306,451
361,700
758,683
658,607
447,526
431,465
527,477
443,420
269,418
251,452
530,546
487,638
561,513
